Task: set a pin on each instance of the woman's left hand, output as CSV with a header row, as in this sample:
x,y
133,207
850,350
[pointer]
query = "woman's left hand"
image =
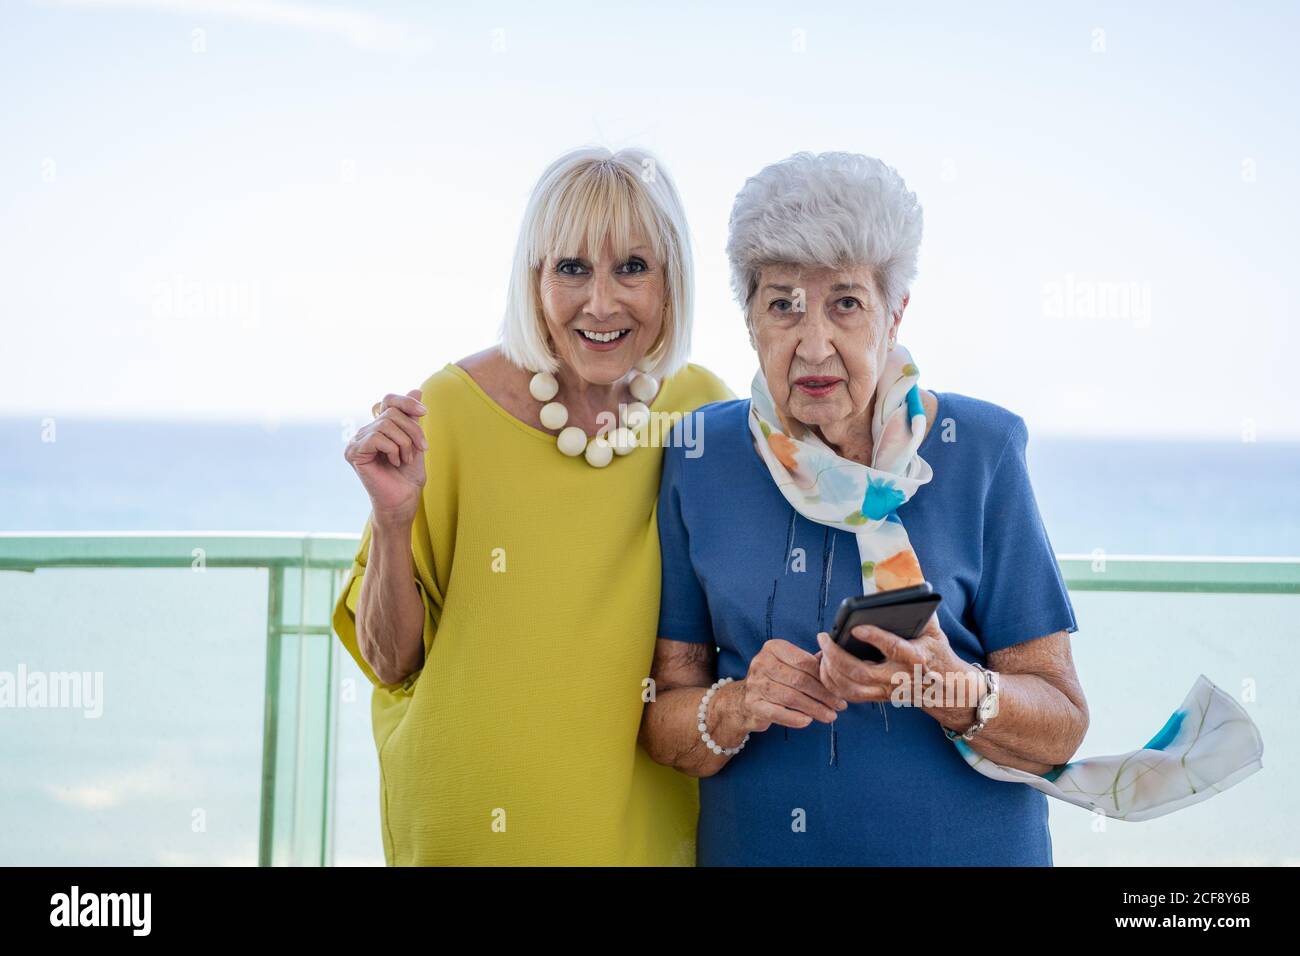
x,y
860,681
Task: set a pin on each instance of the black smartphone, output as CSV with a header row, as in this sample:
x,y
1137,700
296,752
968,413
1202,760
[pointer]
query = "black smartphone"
x,y
903,611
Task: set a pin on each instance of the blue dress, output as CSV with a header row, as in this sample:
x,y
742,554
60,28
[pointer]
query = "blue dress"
x,y
882,785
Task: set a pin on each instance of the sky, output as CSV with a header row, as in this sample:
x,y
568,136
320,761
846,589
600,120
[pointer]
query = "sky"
x,y
278,211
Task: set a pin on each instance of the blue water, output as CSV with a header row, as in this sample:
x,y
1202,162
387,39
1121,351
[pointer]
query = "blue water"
x,y
1125,496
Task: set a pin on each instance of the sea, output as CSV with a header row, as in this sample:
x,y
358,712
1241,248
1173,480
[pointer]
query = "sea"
x,y
168,773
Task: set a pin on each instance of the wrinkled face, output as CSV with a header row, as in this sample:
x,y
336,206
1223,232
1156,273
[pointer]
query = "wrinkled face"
x,y
605,313
822,337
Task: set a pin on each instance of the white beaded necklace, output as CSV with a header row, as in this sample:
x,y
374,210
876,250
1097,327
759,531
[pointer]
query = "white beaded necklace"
x,y
599,451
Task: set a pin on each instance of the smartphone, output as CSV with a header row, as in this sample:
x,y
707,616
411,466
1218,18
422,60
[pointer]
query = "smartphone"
x,y
903,611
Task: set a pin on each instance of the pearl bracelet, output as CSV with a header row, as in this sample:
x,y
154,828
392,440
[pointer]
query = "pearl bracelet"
x,y
704,727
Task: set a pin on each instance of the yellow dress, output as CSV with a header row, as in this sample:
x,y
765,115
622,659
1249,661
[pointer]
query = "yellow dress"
x,y
517,741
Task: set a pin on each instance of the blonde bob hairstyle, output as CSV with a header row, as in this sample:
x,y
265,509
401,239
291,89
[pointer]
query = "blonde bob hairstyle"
x,y
586,198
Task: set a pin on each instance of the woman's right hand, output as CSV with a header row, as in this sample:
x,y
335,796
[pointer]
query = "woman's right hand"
x,y
784,687
388,456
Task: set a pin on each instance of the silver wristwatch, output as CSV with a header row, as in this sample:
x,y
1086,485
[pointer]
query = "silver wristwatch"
x,y
985,710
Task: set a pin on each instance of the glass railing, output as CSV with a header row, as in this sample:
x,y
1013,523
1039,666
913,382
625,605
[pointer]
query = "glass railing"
x,y
1147,627
157,651
179,699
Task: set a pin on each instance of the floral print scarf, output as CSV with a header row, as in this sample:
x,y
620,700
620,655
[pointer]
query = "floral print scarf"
x,y
1207,745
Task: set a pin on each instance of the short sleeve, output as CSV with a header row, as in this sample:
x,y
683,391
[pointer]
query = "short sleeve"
x,y
345,609
1022,595
683,608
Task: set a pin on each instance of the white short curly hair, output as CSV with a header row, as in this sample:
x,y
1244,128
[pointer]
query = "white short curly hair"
x,y
826,209
584,199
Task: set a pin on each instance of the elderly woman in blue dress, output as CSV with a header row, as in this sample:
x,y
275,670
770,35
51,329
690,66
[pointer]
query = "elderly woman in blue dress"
x,y
806,753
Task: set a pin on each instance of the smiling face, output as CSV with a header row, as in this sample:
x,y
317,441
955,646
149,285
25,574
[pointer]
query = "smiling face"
x,y
822,337
604,314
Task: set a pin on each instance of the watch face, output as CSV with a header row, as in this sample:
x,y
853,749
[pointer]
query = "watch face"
x,y
989,707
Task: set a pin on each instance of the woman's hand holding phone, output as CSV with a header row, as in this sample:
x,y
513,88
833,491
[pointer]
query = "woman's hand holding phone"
x,y
783,687
859,681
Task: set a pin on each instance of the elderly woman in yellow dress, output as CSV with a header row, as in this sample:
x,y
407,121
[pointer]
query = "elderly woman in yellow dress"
x,y
505,594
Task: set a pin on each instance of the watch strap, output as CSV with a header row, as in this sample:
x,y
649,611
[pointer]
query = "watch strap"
x,y
990,683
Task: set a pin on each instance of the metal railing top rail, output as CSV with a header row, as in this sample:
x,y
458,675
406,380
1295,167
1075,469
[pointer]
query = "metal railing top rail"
x,y
27,551
1218,574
